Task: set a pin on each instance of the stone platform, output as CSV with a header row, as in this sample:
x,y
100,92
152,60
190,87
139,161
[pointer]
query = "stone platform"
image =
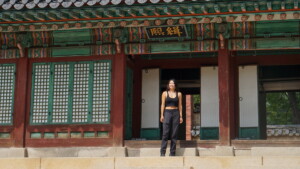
x,y
220,157
211,162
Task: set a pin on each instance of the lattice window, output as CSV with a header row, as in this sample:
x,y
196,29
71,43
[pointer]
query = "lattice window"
x,y
61,93
81,92
40,106
76,93
101,92
7,85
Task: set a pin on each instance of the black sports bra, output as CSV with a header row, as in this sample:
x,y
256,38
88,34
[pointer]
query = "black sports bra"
x,y
171,102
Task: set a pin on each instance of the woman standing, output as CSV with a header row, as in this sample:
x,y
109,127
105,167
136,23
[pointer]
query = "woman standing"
x,y
171,116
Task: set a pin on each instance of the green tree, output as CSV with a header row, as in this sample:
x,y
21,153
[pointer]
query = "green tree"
x,y
283,108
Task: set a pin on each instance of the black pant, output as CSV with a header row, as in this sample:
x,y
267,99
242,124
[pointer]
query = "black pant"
x,y
170,125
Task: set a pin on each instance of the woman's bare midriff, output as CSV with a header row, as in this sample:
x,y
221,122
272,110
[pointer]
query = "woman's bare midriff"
x,y
171,107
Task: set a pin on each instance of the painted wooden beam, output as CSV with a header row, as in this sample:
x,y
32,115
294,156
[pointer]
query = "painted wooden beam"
x,y
283,5
167,11
203,9
51,15
143,12
269,6
217,8
131,12
296,4
108,14
229,7
5,17
97,13
28,17
39,16
153,10
73,14
61,15
256,6
17,16
84,14
191,10
243,7
119,13
179,10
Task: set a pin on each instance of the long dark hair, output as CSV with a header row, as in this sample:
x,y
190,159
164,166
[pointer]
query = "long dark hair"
x,y
175,83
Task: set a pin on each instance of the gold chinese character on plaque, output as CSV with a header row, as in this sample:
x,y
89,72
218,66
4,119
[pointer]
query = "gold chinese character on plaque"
x,y
157,31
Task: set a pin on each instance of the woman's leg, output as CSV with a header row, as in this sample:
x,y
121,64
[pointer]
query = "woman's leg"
x,y
166,131
174,134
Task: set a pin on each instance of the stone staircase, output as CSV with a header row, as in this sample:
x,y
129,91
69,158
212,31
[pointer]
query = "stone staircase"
x,y
148,158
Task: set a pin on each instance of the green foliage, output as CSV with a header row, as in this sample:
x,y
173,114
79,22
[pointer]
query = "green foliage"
x,y
279,111
196,100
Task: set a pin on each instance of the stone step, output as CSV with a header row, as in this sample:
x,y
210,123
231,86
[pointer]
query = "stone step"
x,y
12,152
162,168
77,152
155,152
188,162
148,162
144,152
275,151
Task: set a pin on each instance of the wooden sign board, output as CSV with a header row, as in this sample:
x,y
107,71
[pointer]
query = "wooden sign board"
x,y
158,32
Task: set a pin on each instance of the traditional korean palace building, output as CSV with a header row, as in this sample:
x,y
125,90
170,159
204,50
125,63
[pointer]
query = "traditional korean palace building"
x,y
91,72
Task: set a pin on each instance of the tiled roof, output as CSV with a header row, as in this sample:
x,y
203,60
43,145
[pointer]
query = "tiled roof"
x,y
30,4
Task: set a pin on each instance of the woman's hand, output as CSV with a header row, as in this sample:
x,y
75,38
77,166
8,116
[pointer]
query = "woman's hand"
x,y
181,120
162,119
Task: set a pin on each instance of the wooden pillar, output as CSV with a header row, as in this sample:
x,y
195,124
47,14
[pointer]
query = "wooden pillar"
x,y
20,102
226,96
118,98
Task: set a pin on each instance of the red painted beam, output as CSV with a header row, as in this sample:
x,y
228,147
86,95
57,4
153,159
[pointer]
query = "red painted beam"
x,y
177,63
264,60
118,98
20,102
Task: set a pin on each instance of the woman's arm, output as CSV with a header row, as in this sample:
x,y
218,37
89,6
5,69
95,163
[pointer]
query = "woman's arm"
x,y
180,106
162,107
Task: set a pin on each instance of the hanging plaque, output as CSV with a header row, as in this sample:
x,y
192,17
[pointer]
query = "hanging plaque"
x,y
176,31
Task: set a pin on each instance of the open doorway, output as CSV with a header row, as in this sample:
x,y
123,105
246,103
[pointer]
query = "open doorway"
x,y
189,85
281,101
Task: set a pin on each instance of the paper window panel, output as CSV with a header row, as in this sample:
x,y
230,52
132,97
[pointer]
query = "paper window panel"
x,y
7,81
40,108
81,93
61,93
101,93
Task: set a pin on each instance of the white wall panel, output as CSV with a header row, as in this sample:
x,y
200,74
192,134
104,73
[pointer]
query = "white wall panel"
x,y
209,97
248,92
150,98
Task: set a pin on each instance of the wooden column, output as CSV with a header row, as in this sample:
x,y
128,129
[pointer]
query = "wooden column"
x,y
118,98
20,102
226,96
